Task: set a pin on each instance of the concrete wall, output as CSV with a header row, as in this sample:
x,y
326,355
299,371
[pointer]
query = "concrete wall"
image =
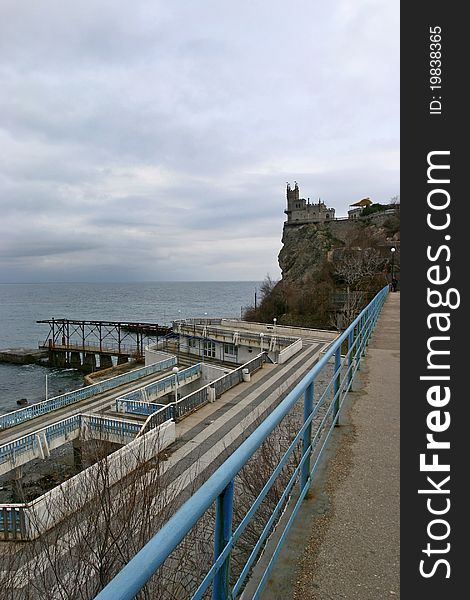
x,y
210,373
285,354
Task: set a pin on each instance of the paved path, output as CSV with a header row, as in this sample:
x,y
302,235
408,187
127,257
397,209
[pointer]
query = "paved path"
x,y
345,542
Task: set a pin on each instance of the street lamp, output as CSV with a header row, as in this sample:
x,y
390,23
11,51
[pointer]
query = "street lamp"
x,y
261,336
393,250
175,371
274,321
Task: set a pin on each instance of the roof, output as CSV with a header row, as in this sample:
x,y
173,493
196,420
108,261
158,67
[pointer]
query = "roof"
x,y
363,202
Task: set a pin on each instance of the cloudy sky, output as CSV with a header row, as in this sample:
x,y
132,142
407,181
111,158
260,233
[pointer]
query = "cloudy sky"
x,y
152,140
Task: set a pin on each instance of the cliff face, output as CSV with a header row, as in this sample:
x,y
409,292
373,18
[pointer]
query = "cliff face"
x,y
307,247
320,263
304,250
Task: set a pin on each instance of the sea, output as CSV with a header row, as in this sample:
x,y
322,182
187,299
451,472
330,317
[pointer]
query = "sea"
x,y
21,305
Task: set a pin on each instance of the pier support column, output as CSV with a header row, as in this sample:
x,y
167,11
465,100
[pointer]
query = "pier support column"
x,y
17,489
89,363
77,455
75,360
58,359
106,361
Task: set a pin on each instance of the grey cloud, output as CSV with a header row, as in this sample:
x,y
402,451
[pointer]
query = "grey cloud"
x,y
154,140
39,249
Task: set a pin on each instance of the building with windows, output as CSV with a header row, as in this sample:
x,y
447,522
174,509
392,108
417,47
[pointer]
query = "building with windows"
x,y
357,208
237,342
300,211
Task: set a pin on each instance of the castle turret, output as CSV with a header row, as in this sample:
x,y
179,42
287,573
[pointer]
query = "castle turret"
x,y
292,194
293,200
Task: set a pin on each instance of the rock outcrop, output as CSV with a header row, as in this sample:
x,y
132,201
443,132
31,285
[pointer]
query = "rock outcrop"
x,y
307,247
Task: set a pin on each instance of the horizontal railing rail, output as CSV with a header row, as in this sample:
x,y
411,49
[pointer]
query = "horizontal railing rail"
x,y
21,450
219,488
202,330
160,416
99,425
152,390
90,347
30,412
235,377
137,407
27,520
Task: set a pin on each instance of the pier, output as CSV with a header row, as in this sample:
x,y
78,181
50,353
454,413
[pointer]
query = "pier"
x,y
92,345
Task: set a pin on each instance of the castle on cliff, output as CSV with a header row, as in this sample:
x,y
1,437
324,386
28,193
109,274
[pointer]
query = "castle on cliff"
x,y
300,211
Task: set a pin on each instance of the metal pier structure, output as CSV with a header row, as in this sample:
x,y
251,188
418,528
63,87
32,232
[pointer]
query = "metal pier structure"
x,y
78,344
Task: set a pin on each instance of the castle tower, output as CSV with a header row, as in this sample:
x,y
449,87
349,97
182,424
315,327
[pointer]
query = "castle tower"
x,y
293,200
292,194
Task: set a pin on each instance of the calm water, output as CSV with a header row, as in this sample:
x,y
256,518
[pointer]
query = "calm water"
x,y
21,305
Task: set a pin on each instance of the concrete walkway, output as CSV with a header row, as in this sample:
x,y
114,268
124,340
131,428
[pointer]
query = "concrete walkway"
x,y
345,541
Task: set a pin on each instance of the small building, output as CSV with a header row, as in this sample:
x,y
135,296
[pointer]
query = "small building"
x,y
357,208
300,211
227,341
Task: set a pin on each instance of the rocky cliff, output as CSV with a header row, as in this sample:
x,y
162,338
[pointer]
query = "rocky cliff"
x,y
325,265
307,248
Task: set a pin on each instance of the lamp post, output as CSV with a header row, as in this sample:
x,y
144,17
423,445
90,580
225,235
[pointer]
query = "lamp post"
x,y
261,336
393,250
175,371
275,322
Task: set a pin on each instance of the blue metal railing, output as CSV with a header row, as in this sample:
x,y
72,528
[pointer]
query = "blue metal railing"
x,y
163,414
200,397
137,407
133,401
219,487
105,425
12,452
25,414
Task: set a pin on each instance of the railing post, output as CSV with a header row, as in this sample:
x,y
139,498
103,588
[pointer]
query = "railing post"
x,y
357,351
223,531
337,383
364,338
306,440
350,356
368,317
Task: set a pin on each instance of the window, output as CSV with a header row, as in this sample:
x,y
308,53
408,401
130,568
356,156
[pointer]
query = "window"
x,y
209,349
230,349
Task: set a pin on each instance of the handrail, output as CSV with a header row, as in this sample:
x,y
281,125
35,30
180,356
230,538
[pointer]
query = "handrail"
x,y
34,410
219,487
162,385
11,453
